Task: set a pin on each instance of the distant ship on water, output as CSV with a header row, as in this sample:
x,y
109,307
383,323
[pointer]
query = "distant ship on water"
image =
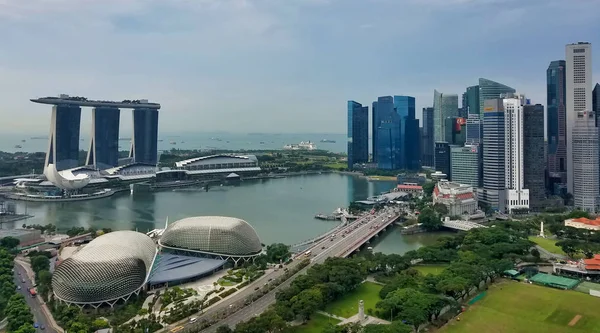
x,y
328,141
304,145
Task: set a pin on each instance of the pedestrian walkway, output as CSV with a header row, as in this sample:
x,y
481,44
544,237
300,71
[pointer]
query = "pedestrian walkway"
x,y
331,315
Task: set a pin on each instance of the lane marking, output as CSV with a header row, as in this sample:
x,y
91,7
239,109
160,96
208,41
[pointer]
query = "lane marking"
x,y
176,329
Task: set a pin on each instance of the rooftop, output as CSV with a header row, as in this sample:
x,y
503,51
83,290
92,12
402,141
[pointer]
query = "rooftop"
x,y
587,221
409,187
83,101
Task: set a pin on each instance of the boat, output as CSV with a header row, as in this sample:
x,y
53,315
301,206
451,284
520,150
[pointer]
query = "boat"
x,y
18,146
327,141
173,142
23,140
304,145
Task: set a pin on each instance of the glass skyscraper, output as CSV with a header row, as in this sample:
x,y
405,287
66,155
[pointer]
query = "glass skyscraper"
x,y
533,156
494,182
442,158
145,136
489,89
104,146
389,144
556,123
464,165
596,101
470,101
444,106
382,110
358,133
404,106
63,148
427,138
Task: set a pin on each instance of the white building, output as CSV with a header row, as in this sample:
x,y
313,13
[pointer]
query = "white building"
x,y
517,197
578,97
459,199
586,191
583,223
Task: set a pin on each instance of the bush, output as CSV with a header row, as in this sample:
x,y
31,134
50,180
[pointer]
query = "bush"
x,y
227,292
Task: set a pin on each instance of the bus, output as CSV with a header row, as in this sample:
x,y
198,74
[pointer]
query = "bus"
x,y
307,253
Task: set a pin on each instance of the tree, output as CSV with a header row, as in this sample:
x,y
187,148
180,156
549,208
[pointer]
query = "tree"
x,y
278,252
224,329
429,219
306,303
409,305
17,313
394,327
441,209
535,253
40,263
428,188
9,243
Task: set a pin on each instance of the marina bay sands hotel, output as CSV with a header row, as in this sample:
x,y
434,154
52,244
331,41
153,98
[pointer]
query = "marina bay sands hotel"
x,y
103,153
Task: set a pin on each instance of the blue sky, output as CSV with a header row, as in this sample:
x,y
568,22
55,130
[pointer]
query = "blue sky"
x,y
275,65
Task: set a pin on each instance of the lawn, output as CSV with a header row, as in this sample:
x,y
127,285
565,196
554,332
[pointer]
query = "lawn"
x,y
347,306
336,165
547,244
430,269
316,324
514,307
585,287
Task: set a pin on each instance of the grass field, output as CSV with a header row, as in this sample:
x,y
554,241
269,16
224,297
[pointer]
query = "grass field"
x,y
347,306
336,166
547,244
316,324
513,307
585,287
430,269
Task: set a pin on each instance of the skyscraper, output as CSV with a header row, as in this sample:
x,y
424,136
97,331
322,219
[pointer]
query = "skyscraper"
x,y
470,101
517,196
455,128
444,106
104,144
596,101
464,165
382,110
556,124
409,132
389,143
578,80
533,156
358,133
442,158
63,146
427,138
585,162
489,89
493,192
145,136
474,134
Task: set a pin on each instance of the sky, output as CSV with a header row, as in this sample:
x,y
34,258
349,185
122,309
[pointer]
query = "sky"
x,y
280,66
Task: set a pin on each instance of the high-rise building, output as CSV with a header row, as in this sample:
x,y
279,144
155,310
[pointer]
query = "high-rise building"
x,y
493,192
464,165
533,156
596,101
358,133
427,138
489,89
104,145
409,132
389,143
444,106
63,146
456,131
474,131
442,158
556,124
517,196
470,101
145,136
585,162
578,81
382,110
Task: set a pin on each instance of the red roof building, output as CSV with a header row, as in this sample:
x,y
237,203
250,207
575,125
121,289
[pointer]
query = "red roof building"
x,y
410,188
583,223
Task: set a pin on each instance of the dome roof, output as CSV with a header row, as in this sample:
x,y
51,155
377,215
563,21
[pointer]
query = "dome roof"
x,y
111,266
213,234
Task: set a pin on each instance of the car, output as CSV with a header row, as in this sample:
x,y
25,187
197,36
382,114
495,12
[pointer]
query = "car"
x,y
36,325
23,280
256,288
270,279
18,287
323,248
193,320
42,327
19,273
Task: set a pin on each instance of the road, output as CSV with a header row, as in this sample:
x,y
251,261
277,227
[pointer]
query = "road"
x,y
34,304
344,240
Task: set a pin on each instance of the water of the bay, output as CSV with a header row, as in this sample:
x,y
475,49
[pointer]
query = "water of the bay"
x,y
281,210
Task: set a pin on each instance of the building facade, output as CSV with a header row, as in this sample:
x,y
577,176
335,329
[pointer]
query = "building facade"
x,y
464,165
358,133
427,142
578,82
63,146
144,145
456,131
474,132
517,196
458,198
493,191
470,101
389,144
404,106
489,89
104,144
556,124
585,169
596,101
444,106
442,158
533,156
382,110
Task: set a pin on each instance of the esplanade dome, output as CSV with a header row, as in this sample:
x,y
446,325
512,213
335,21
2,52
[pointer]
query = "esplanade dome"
x,y
215,235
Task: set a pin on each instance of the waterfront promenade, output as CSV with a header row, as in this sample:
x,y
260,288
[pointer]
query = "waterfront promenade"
x,y
238,308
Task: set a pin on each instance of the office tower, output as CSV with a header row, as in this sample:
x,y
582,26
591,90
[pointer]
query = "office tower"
x,y
517,196
474,130
493,192
382,110
596,101
358,133
444,106
455,128
409,132
145,136
63,146
104,146
389,143
470,101
464,165
442,158
427,139
533,155
585,162
489,89
374,126
578,81
556,125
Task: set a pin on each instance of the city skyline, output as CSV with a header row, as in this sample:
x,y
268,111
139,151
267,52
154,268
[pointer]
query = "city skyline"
x,y
260,49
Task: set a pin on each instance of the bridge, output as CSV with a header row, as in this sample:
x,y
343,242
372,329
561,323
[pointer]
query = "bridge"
x,y
461,225
303,245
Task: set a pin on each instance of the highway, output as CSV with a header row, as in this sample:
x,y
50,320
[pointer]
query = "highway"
x,y
347,238
33,302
